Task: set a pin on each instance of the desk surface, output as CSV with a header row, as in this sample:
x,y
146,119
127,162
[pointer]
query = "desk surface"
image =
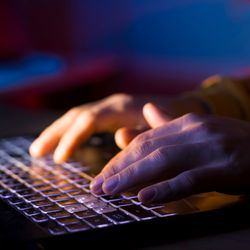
x,y
16,121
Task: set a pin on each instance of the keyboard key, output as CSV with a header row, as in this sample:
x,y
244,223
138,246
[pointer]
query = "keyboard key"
x,y
56,230
36,197
44,188
6,194
18,187
42,203
27,192
173,208
95,204
23,206
76,193
35,182
67,221
85,214
39,218
82,182
53,227
59,182
111,197
138,212
60,214
75,208
151,206
129,195
78,227
15,200
49,209
119,217
121,203
61,197
31,212
67,202
50,177
105,209
85,198
51,192
68,188
136,201
12,183
78,166
98,221
73,176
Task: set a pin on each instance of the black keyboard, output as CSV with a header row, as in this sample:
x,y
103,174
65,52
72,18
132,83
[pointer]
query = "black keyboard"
x,y
57,197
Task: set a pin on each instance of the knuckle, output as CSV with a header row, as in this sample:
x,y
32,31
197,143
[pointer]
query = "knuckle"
x,y
188,181
144,148
106,173
160,154
166,190
74,111
139,139
128,173
119,96
83,116
192,117
205,128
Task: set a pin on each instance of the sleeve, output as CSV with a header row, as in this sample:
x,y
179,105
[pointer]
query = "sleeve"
x,y
225,96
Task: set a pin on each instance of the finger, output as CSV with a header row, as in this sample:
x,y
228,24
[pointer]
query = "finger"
x,y
154,116
137,151
188,183
168,127
50,137
143,145
163,162
124,136
80,131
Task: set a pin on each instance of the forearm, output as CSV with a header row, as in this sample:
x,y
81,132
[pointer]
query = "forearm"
x,y
221,96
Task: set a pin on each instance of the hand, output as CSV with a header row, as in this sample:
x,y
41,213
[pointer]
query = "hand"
x,y
189,155
120,114
79,123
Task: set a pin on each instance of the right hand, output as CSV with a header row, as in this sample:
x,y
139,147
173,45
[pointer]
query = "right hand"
x,y
79,123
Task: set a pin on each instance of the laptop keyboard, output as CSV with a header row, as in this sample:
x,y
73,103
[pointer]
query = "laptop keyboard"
x,y
57,197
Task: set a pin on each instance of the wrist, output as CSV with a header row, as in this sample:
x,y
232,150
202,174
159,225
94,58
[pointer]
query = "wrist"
x,y
186,104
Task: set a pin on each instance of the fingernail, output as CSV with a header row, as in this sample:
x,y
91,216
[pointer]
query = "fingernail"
x,y
147,195
96,184
111,184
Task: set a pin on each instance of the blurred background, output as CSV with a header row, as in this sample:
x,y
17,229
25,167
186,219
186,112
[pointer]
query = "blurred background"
x,y
58,54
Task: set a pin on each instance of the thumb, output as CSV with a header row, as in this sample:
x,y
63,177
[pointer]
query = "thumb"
x,y
124,136
154,116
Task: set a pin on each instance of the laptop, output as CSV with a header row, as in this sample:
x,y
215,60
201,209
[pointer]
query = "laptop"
x,y
46,204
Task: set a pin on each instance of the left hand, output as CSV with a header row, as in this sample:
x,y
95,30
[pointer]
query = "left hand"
x,y
186,156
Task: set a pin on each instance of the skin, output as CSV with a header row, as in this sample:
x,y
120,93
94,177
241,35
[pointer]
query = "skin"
x,y
119,113
185,156
166,156
78,124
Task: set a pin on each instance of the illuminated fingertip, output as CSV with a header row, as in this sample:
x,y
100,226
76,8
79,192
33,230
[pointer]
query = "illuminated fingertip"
x,y
59,158
147,195
96,185
111,185
35,150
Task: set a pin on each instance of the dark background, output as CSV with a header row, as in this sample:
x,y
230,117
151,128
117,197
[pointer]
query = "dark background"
x,y
57,54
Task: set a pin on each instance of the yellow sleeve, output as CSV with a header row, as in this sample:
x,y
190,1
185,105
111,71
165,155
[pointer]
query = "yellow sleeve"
x,y
226,96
